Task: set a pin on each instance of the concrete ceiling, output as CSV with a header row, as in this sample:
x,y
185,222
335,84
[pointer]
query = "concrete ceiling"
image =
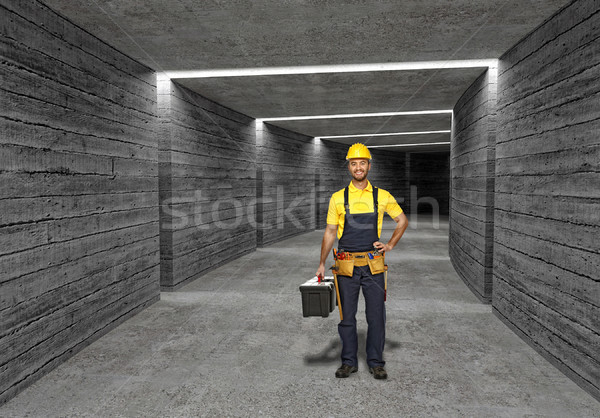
x,y
208,35
341,93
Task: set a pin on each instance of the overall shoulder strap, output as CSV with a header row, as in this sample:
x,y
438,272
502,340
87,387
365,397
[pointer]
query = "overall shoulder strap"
x,y
346,205
375,199
376,208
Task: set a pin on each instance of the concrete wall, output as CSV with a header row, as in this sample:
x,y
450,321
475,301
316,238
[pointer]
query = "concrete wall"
x,y
472,167
430,182
286,183
207,184
332,175
390,172
79,246
547,213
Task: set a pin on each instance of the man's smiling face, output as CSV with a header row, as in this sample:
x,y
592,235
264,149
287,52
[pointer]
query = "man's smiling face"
x,y
359,168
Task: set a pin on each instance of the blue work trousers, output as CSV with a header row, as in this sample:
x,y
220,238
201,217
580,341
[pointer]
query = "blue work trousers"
x,y
374,293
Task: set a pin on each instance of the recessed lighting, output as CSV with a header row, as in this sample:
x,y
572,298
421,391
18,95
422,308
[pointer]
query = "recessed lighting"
x,y
358,115
341,68
408,145
385,134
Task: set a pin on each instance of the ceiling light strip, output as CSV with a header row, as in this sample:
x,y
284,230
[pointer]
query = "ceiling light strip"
x,y
324,69
385,134
358,115
408,145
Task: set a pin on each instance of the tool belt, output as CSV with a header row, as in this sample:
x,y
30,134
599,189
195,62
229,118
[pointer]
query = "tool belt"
x,y
345,267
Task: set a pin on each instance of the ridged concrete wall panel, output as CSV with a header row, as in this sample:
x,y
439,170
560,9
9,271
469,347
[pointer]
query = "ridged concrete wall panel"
x,y
332,175
79,248
472,159
287,184
546,259
430,182
207,188
390,171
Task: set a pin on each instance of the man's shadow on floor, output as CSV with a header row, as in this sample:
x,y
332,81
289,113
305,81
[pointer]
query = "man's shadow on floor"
x,y
332,352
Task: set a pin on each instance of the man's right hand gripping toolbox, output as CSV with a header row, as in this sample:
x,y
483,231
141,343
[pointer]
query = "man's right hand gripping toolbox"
x,y
318,298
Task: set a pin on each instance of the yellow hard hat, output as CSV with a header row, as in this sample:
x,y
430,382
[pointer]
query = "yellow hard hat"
x,y
358,150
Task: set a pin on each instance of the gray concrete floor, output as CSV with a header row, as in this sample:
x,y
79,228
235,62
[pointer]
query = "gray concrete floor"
x,y
234,343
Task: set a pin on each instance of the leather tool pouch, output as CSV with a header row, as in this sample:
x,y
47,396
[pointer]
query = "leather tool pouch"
x,y
344,267
377,265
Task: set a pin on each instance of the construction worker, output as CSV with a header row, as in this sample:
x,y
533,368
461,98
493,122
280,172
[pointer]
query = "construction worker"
x,y
356,218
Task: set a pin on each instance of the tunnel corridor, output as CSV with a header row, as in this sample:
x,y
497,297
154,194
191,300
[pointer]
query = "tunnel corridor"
x,y
163,161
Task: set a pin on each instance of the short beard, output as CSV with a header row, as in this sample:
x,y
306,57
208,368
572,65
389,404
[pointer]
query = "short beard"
x,y
364,176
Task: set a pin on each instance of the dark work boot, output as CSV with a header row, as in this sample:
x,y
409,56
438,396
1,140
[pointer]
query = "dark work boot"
x,y
345,370
378,372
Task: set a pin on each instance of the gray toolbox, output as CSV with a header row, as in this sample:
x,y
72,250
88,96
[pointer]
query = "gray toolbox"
x,y
318,298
